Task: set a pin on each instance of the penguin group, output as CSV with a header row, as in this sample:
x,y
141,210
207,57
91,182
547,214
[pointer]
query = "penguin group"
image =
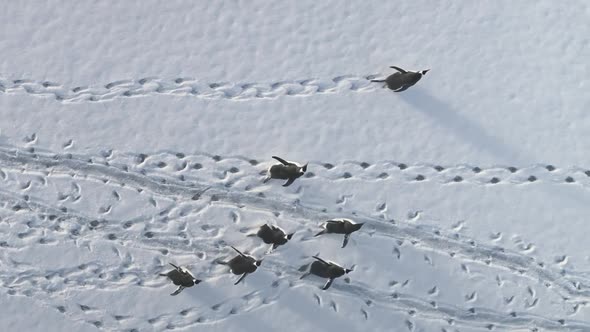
x,y
243,264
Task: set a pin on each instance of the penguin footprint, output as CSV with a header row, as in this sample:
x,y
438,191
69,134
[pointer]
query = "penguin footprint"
x,y
365,314
318,299
333,306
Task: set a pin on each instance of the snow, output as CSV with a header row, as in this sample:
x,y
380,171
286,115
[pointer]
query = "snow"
x,y
473,184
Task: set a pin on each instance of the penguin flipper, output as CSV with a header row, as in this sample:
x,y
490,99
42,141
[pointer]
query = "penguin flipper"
x,y
304,275
321,260
239,252
403,88
281,160
289,182
346,236
266,179
398,69
378,81
328,284
176,267
241,278
178,290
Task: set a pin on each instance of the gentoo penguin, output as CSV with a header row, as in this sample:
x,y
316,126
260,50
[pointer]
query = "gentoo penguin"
x,y
181,277
273,235
403,79
242,264
324,269
285,171
340,226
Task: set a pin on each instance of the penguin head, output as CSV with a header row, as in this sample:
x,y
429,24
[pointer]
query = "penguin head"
x,y
303,169
423,72
347,271
196,281
283,239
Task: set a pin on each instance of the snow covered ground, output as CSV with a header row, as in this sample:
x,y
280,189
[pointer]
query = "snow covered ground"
x,y
474,184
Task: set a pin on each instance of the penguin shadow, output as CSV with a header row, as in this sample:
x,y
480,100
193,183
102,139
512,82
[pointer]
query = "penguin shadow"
x,y
214,305
250,298
477,135
323,318
211,299
461,126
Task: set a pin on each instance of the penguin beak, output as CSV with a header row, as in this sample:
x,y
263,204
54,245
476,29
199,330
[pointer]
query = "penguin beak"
x,y
290,236
360,225
425,71
304,168
348,271
197,281
258,262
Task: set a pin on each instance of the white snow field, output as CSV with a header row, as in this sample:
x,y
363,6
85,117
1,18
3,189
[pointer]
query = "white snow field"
x,y
474,184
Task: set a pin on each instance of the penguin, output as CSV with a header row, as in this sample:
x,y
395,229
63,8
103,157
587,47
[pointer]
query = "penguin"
x,y
403,79
273,235
324,269
181,277
285,171
340,226
242,264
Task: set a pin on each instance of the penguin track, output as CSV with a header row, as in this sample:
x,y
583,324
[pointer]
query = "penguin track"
x,y
106,319
224,195
212,230
233,170
188,87
162,239
414,304
176,188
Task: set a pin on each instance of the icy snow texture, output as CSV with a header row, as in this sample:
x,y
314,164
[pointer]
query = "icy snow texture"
x,y
474,183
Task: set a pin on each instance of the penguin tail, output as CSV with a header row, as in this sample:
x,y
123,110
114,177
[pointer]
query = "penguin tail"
x,y
320,233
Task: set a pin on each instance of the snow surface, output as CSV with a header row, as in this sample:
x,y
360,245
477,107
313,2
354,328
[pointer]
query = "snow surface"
x,y
474,184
